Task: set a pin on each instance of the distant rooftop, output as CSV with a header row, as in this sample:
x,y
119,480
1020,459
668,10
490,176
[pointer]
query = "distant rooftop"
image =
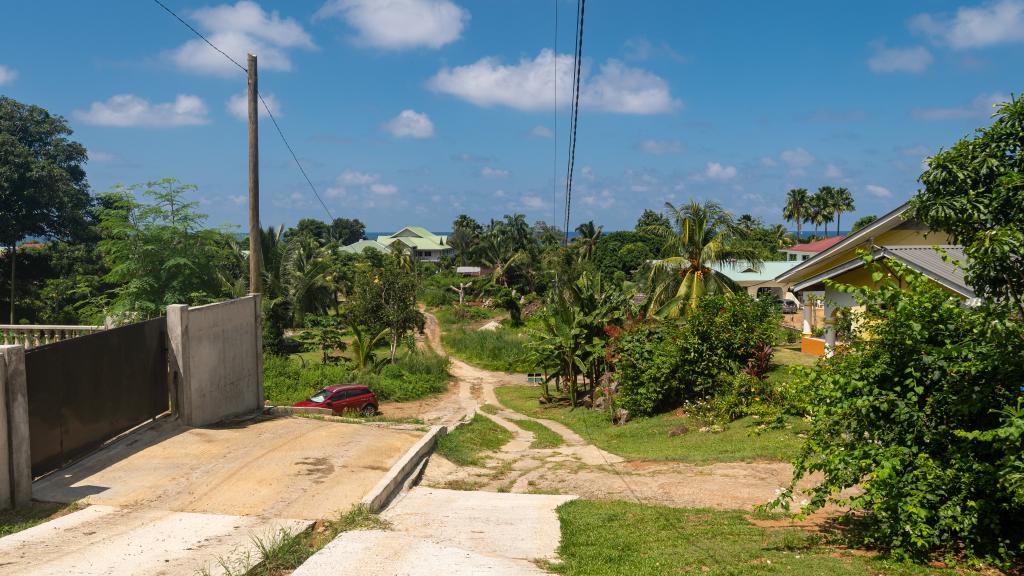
x,y
744,272
815,247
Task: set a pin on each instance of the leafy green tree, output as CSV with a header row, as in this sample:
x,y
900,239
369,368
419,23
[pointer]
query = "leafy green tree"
x,y
385,299
43,189
704,234
975,192
324,334
625,251
797,204
346,231
862,222
465,237
651,219
913,412
312,228
158,253
364,345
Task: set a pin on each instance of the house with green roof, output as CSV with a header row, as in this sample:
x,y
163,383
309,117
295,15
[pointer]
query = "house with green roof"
x,y
418,242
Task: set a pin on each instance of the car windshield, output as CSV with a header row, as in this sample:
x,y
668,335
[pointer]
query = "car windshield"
x,y
320,396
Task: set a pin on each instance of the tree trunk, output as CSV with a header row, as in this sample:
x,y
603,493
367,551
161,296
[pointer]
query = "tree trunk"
x,y
798,228
394,345
12,250
839,216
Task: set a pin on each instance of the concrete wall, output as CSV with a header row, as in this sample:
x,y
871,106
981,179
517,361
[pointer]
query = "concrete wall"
x,y
15,450
217,357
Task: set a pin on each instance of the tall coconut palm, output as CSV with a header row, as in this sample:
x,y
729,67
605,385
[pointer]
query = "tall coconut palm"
x,y
841,200
703,234
586,239
821,207
304,266
796,209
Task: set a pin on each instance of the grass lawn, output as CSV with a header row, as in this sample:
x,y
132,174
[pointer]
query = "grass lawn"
x,y
464,445
12,521
543,437
648,438
623,538
502,350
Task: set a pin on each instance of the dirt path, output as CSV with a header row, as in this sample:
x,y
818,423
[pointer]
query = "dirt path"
x,y
580,468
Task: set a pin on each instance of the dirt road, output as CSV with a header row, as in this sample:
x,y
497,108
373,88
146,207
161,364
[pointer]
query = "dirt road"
x,y
580,468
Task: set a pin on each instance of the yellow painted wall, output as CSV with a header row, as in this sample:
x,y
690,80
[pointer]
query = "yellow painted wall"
x,y
900,236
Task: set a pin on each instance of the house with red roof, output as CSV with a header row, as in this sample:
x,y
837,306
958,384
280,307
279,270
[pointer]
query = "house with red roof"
x,y
801,252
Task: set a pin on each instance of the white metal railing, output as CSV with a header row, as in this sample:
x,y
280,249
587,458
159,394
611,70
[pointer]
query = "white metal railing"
x,y
32,335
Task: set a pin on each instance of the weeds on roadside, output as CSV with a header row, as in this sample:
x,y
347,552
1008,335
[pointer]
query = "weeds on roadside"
x,y
282,552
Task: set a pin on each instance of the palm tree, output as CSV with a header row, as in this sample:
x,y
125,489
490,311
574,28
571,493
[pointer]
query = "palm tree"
x,y
841,200
304,266
822,208
704,234
587,237
796,209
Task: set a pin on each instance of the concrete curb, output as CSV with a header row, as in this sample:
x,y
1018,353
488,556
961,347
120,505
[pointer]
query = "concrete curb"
x,y
289,410
392,483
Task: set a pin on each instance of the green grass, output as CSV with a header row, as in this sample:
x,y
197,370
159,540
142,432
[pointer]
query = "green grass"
x,y
543,437
416,375
503,349
489,408
283,552
465,444
648,438
627,539
34,513
792,356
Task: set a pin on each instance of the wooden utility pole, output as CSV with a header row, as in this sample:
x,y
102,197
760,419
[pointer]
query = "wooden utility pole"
x,y
255,247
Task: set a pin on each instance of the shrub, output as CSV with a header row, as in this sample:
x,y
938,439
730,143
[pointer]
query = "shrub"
x,y
916,414
661,365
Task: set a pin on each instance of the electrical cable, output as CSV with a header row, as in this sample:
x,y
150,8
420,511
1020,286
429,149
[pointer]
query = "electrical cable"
x,y
578,59
265,106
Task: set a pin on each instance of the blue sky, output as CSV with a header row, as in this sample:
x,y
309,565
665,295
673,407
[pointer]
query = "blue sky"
x,y
413,111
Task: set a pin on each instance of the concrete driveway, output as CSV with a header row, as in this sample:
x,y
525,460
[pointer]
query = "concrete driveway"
x,y
172,500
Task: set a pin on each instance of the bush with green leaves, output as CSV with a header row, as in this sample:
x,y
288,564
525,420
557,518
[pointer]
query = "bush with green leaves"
x,y
663,364
915,414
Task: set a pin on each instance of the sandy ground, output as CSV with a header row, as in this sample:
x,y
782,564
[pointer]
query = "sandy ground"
x,y
174,500
582,469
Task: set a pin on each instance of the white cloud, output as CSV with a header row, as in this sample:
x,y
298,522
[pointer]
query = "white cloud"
x,y
981,107
833,171
527,85
238,106
542,132
878,191
362,181
7,74
659,147
98,156
886,59
237,30
997,22
533,202
716,171
410,124
400,24
919,151
797,158
124,110
488,172
238,200
383,189
768,162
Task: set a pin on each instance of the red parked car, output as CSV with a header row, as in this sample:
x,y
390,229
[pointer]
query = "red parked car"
x,y
344,398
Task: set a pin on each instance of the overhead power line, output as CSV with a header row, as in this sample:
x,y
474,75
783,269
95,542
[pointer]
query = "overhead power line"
x,y
264,102
578,59
554,131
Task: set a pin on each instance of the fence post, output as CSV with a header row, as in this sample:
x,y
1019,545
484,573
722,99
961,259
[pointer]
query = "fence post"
x,y
16,446
177,336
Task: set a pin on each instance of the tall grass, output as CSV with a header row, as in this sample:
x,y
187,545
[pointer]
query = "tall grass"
x,y
287,380
503,349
